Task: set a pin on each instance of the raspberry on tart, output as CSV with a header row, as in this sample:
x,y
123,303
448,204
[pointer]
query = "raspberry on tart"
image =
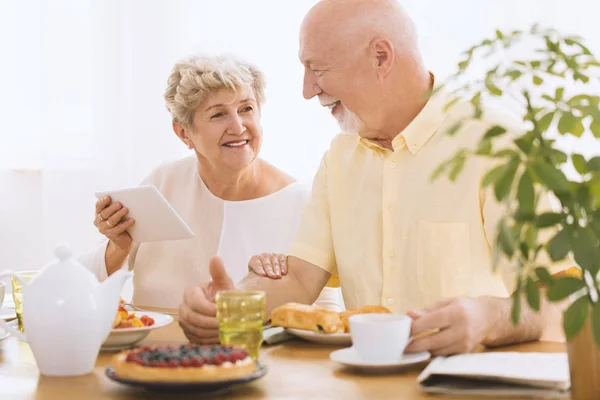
x,y
184,363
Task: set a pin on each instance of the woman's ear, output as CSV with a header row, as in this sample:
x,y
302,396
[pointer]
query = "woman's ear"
x,y
182,134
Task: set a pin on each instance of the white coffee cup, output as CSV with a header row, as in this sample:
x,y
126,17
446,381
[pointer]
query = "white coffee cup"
x,y
380,337
2,292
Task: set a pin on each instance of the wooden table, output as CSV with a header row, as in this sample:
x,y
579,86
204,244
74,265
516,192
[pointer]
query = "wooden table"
x,y
296,369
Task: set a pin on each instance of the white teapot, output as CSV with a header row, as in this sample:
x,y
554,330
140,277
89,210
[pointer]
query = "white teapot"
x,y
67,314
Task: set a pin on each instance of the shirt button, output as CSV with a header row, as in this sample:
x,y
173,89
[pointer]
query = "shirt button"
x,y
414,147
392,255
393,165
390,301
390,207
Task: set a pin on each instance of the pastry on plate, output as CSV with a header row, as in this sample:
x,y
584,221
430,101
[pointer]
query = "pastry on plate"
x,y
186,363
310,318
344,315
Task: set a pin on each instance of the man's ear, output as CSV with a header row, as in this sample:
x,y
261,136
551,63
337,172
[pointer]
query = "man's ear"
x,y
183,134
383,55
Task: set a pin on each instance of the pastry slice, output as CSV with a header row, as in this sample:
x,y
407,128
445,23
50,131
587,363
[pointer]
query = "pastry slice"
x,y
310,318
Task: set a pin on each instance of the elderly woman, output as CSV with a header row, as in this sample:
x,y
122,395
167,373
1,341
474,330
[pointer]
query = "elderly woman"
x,y
237,204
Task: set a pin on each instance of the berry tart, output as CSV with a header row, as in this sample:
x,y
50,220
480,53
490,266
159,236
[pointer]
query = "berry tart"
x,y
185,363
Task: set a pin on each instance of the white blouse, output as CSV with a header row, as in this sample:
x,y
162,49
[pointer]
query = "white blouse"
x,y
235,230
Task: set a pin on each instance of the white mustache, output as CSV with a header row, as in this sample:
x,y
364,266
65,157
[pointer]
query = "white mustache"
x,y
326,100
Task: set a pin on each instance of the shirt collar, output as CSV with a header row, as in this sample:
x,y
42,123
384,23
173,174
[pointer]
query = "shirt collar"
x,y
421,129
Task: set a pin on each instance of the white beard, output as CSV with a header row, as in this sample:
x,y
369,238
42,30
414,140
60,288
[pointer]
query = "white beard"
x,y
348,121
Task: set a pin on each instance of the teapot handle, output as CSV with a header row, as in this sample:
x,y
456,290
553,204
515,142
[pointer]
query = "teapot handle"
x,y
13,331
12,274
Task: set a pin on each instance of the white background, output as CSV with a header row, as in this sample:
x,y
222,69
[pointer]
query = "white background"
x,y
81,81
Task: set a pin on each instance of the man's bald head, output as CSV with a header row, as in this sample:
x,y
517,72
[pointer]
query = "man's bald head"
x,y
351,23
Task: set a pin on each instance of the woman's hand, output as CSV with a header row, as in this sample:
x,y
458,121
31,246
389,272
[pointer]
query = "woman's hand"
x,y
111,223
270,265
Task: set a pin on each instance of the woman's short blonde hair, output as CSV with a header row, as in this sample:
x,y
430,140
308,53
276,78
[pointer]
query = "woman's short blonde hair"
x,y
193,79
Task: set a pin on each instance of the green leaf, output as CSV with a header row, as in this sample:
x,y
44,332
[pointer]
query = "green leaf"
x,y
493,175
514,74
537,80
559,93
550,176
451,103
484,148
457,168
544,276
535,64
575,317
516,306
533,294
585,251
503,186
524,144
560,245
454,128
559,156
578,130
563,288
545,122
548,219
494,131
506,240
531,235
595,223
567,123
499,34
579,163
595,127
492,88
594,164
525,193
596,322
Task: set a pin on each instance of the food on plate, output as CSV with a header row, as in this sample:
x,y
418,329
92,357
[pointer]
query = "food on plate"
x,y
344,315
125,319
317,319
185,363
310,318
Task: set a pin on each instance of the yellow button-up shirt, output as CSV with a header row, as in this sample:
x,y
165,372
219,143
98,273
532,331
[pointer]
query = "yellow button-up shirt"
x,y
392,236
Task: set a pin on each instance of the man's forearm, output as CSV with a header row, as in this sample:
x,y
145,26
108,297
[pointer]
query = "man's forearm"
x,y
302,284
533,325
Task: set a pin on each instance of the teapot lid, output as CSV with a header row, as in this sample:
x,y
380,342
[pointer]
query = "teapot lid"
x,y
66,268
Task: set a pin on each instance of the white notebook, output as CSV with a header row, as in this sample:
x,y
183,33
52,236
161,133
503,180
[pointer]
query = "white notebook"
x,y
155,218
544,375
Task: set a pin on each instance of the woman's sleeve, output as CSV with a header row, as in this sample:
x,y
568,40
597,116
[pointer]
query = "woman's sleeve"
x,y
94,259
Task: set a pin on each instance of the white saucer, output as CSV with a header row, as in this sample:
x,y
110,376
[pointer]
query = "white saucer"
x,y
350,358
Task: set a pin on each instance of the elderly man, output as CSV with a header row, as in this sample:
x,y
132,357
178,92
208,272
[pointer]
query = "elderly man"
x,y
375,219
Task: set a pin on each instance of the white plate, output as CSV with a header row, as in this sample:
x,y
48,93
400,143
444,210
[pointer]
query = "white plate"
x,y
338,339
350,358
125,338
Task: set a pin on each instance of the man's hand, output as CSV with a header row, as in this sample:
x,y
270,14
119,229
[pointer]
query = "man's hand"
x,y
461,324
197,312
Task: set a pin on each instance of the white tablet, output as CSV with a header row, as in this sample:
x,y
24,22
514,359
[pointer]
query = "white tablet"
x,y
155,218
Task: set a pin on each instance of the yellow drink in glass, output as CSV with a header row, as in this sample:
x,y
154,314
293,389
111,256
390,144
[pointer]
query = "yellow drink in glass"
x,y
17,294
241,314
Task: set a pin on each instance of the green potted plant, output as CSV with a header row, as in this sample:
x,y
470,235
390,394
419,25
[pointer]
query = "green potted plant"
x,y
553,88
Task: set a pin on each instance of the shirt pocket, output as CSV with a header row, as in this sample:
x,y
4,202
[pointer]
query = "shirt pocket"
x,y
444,259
